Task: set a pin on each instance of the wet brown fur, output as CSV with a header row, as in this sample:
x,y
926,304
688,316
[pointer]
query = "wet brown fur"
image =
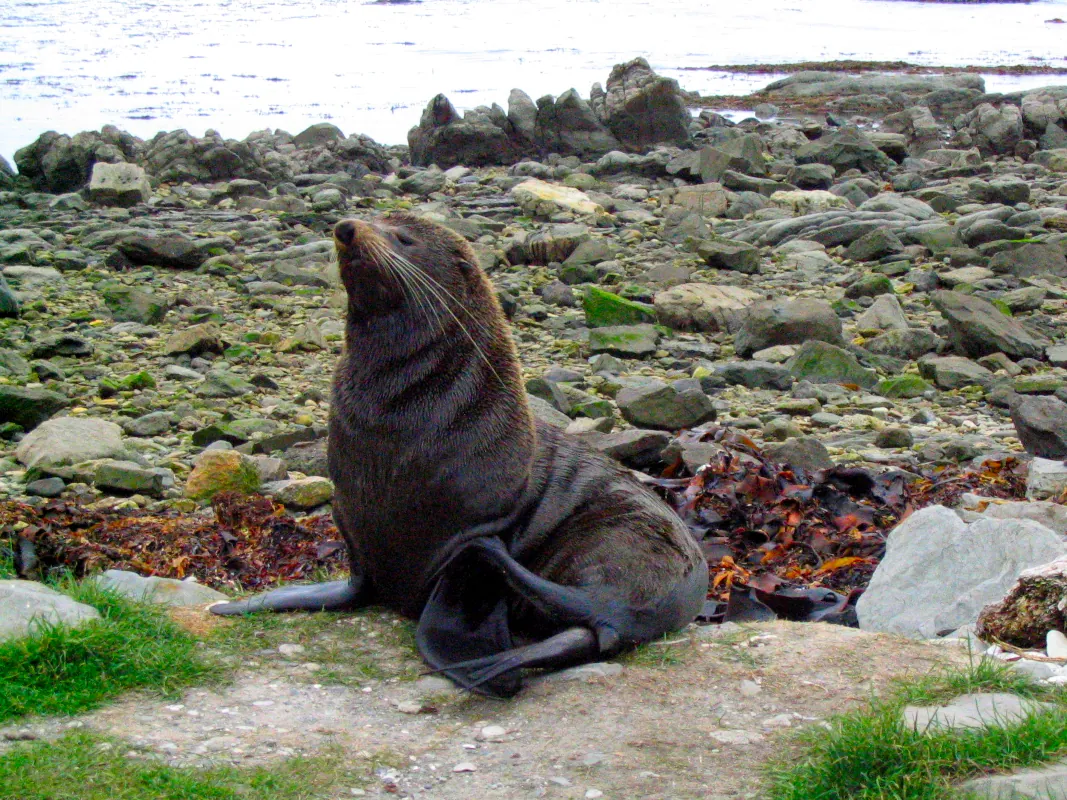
x,y
432,441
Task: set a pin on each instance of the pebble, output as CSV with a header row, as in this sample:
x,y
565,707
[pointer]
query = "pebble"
x,y
1056,644
464,766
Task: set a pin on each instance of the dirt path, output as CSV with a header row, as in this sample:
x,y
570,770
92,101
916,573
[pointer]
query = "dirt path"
x,y
693,718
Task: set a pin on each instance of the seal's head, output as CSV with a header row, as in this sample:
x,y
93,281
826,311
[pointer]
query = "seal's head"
x,y
401,262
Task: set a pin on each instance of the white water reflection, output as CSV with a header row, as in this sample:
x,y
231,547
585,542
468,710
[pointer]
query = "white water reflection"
x,y
239,66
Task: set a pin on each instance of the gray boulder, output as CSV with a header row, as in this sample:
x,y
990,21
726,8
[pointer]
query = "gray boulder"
x,y
843,150
821,362
569,126
64,441
938,572
446,139
1034,260
28,407
640,108
978,328
123,185
26,604
1041,423
662,406
177,156
954,372
173,250
162,591
994,131
787,322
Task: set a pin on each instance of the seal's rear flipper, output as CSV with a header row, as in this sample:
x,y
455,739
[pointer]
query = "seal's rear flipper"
x,y
331,596
466,620
464,630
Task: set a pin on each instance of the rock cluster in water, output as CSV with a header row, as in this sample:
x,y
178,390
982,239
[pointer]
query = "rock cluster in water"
x,y
873,289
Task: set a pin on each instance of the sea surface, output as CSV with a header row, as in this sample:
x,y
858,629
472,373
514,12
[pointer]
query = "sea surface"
x,y
237,66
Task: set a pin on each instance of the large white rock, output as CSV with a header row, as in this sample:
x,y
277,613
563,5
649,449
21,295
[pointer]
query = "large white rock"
x,y
703,306
70,440
164,591
939,572
801,203
23,604
1052,515
540,199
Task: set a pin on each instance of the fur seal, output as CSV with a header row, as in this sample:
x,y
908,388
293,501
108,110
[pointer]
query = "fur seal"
x,y
513,544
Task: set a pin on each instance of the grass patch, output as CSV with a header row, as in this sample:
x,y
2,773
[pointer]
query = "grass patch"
x,y
668,651
60,670
869,755
90,767
349,648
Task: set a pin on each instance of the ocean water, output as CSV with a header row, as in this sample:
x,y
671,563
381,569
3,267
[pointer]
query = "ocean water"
x,y
239,66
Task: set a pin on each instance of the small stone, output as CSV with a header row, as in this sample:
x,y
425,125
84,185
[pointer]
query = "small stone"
x,y
492,733
411,707
221,471
592,794
464,766
894,438
290,650
750,688
304,493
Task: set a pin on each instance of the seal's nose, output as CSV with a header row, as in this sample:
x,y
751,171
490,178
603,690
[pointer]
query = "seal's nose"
x,y
345,232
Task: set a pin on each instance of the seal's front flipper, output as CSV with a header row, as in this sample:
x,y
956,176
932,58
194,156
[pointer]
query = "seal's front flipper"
x,y
466,620
331,596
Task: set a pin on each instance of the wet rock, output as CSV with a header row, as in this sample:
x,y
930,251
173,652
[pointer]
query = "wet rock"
x,y
9,303
195,340
625,341
301,493
162,591
124,185
131,304
1041,423
787,322
65,441
802,452
446,139
154,423
634,447
662,406
737,256
28,408
907,344
938,572
605,309
903,387
756,375
843,150
63,344
172,250
874,245
978,328
640,108
59,163
885,314
222,471
953,372
128,477
703,307
540,199
220,383
1030,260
25,604
994,131
821,362
894,438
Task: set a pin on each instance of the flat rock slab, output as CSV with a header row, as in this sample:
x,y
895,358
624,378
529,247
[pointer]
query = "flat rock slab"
x,y
165,591
1043,782
974,711
25,604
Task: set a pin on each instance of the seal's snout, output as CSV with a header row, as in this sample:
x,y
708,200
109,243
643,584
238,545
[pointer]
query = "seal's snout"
x,y
345,232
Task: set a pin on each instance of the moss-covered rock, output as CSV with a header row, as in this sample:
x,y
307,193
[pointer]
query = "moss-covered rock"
x,y
820,362
902,387
604,308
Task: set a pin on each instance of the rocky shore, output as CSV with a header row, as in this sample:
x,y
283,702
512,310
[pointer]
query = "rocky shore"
x,y
878,289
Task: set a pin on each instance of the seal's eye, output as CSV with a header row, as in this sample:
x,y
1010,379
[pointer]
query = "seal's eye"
x,y
404,239
466,267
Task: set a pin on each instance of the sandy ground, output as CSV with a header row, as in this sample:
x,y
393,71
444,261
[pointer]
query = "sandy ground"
x,y
694,717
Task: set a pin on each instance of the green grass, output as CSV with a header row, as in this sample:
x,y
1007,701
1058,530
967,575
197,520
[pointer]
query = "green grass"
x,y
60,670
869,755
85,766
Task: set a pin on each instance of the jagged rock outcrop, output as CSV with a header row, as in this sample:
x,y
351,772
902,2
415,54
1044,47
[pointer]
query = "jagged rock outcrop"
x,y
641,108
994,131
59,163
